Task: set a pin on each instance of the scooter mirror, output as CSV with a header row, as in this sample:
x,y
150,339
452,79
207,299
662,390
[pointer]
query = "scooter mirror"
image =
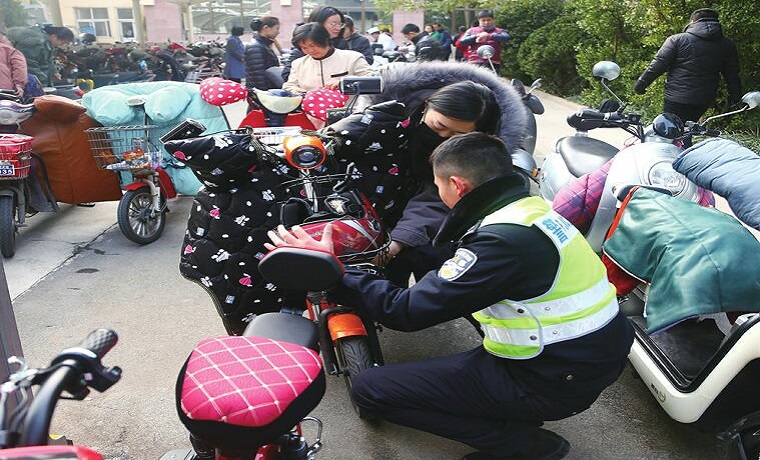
x,y
606,70
486,52
752,99
536,84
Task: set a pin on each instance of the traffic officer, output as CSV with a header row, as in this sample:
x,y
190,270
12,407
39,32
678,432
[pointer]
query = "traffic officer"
x,y
554,337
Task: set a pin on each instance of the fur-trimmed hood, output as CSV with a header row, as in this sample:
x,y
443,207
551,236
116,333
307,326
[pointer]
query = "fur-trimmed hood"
x,y
412,83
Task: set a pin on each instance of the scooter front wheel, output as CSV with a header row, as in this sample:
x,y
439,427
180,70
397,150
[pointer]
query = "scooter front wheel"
x,y
7,226
137,219
354,357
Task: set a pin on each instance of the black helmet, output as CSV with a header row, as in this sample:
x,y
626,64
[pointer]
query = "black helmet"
x,y
87,39
668,125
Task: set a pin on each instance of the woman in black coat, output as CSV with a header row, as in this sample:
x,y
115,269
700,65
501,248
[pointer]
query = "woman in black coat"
x,y
356,41
259,55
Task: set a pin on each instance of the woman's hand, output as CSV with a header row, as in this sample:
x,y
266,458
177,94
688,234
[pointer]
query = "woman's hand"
x,y
298,238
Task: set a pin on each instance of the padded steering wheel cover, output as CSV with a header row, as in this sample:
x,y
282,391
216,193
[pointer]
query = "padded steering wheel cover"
x,y
243,392
301,269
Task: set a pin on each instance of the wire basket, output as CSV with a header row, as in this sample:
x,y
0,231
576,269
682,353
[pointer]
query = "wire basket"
x,y
15,156
274,136
125,148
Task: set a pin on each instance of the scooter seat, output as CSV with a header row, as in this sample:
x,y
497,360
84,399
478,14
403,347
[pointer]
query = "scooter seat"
x,y
244,392
14,113
584,154
284,327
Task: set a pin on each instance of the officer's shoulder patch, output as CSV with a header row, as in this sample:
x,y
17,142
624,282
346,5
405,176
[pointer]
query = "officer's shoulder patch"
x,y
456,266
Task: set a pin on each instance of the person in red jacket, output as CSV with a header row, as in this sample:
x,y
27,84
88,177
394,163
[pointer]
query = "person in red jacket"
x,y
486,33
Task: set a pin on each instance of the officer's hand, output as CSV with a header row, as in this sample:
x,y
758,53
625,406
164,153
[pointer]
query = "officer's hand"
x,y
639,87
385,258
298,238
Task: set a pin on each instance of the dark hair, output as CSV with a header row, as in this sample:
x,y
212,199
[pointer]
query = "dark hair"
x,y
485,14
703,13
409,28
462,29
437,24
477,157
259,23
237,31
63,33
468,101
313,31
349,22
321,13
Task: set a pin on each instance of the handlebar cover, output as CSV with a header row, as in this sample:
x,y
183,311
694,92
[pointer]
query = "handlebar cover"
x,y
100,341
601,116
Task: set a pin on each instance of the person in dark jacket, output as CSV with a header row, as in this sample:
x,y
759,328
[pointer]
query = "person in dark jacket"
x,y
458,55
694,60
391,150
38,47
356,41
553,335
234,52
445,39
260,56
331,19
426,48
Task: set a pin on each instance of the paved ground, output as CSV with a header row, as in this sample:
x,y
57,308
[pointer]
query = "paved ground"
x,y
74,271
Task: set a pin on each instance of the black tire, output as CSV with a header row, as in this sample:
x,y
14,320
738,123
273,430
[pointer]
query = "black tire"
x,y
354,357
7,226
136,219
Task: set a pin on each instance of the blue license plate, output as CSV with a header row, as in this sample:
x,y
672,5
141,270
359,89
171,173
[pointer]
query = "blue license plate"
x,y
7,170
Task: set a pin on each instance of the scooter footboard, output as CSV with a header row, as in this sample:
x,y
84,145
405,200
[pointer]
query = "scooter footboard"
x,y
285,327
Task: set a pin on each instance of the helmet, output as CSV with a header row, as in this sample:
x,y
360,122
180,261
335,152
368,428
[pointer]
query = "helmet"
x,y
87,39
668,125
277,100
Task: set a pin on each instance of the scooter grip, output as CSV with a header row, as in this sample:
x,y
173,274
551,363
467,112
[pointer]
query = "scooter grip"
x,y
588,114
100,341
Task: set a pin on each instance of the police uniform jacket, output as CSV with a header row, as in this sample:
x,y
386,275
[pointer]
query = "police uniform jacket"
x,y
514,262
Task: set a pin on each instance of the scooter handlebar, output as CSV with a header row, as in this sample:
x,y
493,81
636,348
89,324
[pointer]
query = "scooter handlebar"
x,y
588,114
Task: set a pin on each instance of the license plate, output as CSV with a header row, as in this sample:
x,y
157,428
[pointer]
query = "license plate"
x,y
7,170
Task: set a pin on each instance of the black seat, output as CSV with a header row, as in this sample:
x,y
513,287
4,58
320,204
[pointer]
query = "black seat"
x,y
284,327
585,154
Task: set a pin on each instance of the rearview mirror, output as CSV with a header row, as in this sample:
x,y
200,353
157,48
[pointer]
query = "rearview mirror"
x,y
606,70
752,99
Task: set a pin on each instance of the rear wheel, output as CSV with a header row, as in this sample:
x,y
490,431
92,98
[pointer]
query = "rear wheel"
x,y
354,357
137,220
7,226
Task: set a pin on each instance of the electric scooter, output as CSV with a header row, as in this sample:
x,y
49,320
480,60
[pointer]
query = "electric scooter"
x,y
645,160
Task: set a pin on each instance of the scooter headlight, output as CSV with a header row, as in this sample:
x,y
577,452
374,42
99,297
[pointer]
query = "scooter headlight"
x,y
662,174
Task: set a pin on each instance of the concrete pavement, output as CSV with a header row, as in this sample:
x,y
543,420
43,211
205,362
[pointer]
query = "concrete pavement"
x,y
74,271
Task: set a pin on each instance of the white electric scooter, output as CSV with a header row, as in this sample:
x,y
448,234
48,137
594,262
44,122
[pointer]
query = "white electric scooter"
x,y
646,161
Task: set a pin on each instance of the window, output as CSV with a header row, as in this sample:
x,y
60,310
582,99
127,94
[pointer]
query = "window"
x,y
93,21
126,24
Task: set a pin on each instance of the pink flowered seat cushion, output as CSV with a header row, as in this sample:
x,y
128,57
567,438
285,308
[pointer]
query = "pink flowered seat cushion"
x,y
247,390
218,91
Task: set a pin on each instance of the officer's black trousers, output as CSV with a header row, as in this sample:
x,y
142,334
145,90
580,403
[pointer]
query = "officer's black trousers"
x,y
469,397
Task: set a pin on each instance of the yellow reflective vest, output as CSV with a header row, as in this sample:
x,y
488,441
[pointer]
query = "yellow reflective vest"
x,y
581,299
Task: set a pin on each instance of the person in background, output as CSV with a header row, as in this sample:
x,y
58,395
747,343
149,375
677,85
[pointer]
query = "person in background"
x,y
425,47
356,41
430,31
694,60
381,37
553,334
13,70
234,52
333,21
458,55
486,33
446,41
38,47
261,62
322,65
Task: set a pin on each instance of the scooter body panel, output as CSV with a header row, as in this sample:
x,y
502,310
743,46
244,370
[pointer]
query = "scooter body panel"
x,y
689,406
554,175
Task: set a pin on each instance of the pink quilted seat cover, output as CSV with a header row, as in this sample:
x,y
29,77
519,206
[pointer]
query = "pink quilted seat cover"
x,y
245,381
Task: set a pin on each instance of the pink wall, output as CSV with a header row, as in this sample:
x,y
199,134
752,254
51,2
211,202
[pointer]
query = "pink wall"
x,y
163,22
289,15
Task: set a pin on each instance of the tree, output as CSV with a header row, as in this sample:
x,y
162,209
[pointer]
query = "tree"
x,y
12,14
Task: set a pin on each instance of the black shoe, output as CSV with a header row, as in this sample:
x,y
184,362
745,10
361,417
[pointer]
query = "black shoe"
x,y
546,446
88,204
